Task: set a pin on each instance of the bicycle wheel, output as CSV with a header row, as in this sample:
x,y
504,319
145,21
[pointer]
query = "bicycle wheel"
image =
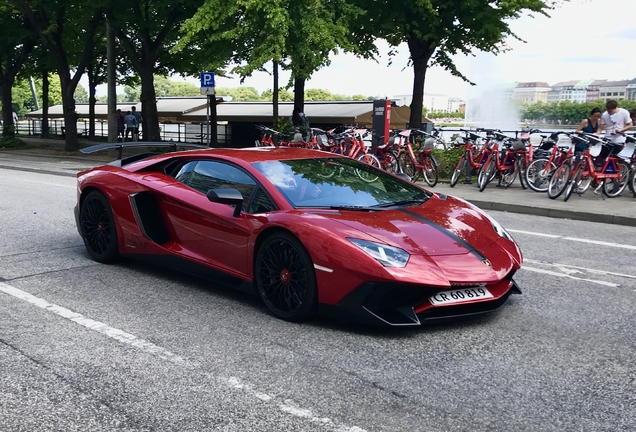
x,y
614,187
573,183
632,183
408,166
457,172
429,171
538,174
328,170
367,175
559,180
520,167
391,162
486,173
508,177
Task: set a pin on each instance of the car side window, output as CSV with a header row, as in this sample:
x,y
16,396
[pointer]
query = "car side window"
x,y
205,175
261,202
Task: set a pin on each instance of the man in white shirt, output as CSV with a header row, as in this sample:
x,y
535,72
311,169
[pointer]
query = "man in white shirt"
x,y
615,121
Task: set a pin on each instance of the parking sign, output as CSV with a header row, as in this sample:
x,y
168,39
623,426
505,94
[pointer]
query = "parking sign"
x,y
207,79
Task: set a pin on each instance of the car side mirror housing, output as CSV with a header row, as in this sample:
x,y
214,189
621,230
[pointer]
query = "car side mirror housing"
x,y
227,196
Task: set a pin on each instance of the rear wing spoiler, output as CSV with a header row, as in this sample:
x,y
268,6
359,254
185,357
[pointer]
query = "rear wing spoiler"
x,y
131,144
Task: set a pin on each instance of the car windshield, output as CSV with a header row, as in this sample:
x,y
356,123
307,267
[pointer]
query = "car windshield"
x,y
339,183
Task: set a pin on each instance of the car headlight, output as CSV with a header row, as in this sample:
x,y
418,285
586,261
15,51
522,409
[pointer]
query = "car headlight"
x,y
388,256
499,229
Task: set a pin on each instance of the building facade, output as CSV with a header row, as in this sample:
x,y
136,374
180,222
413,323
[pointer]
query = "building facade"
x,y
531,92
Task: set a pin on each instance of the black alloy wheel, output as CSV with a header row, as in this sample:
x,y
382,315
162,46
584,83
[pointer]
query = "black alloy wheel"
x,y
97,226
285,278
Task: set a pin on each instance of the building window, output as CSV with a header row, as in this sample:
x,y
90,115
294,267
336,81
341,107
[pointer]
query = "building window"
x,y
602,94
615,94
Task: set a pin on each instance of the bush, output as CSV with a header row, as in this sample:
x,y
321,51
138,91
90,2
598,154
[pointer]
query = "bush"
x,y
447,159
10,142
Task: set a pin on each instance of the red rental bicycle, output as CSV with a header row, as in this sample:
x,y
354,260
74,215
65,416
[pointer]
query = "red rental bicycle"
x,y
424,163
471,160
607,170
503,164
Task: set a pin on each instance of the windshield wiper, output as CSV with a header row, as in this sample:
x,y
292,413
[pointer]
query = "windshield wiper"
x,y
403,202
355,208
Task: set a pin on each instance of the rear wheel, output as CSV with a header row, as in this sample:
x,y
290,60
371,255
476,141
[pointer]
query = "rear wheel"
x,y
508,177
614,187
98,229
457,172
559,180
285,278
429,171
368,159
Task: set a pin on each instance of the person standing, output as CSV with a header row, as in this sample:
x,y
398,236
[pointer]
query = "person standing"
x,y
615,121
121,125
131,126
137,115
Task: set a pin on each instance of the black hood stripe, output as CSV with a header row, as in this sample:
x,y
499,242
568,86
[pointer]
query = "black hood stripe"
x,y
446,232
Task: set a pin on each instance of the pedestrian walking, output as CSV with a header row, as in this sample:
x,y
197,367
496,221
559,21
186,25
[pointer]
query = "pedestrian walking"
x,y
139,118
131,126
121,125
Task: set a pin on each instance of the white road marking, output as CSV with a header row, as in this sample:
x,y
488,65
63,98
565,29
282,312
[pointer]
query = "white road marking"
x,y
565,275
97,326
288,406
22,180
581,269
596,242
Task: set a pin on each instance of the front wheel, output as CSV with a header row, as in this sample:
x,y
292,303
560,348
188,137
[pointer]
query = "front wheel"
x,y
484,176
285,278
537,175
521,169
457,172
408,166
97,225
574,183
559,180
391,162
632,182
367,175
429,171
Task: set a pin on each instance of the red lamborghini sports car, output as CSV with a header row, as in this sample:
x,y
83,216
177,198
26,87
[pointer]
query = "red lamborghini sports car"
x,y
309,232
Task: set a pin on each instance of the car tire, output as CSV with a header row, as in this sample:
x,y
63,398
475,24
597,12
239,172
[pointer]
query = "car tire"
x,y
98,229
285,278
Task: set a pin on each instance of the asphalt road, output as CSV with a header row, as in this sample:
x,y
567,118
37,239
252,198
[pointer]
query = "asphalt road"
x,y
85,346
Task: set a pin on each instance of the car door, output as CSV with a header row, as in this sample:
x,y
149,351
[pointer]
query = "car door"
x,y
208,231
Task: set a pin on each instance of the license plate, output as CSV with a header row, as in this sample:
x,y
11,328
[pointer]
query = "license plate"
x,y
459,296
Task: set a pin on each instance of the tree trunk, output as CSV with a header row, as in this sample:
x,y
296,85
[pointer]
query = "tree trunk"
x,y
68,107
8,128
299,98
275,97
91,102
421,53
149,113
45,105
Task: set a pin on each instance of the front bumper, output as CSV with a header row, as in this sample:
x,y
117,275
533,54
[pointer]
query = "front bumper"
x,y
386,304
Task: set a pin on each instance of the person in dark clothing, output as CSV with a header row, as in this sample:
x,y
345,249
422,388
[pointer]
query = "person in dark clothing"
x,y
121,124
588,125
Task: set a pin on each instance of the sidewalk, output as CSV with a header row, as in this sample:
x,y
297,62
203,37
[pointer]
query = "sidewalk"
x,y
588,207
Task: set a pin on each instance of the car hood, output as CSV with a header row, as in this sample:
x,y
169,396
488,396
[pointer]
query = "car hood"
x,y
441,226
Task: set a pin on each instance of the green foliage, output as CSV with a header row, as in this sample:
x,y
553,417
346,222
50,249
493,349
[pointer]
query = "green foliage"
x,y
81,95
447,160
564,112
9,141
444,114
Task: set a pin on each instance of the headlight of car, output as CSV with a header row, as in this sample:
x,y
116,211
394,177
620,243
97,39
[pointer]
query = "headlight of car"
x,y
388,256
499,229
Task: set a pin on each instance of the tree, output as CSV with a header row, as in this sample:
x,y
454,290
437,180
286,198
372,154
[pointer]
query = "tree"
x,y
297,35
18,40
67,29
147,30
435,30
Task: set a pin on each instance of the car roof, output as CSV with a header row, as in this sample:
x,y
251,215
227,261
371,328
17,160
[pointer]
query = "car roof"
x,y
257,154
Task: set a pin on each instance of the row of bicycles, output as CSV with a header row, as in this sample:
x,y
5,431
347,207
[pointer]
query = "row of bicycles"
x,y
549,166
407,152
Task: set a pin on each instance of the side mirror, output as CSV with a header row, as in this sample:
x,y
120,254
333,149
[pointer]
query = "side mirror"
x,y
227,196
